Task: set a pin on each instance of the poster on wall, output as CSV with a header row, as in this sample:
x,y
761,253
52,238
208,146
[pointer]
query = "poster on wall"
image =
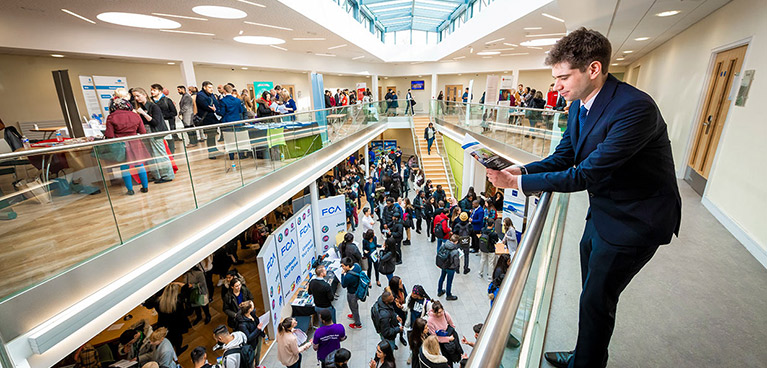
x,y
271,283
105,88
491,89
260,87
506,90
361,88
332,221
91,98
288,257
514,207
417,85
306,249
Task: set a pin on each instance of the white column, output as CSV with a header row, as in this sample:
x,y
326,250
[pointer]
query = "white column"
x,y
314,197
434,86
374,86
367,162
311,91
515,77
187,71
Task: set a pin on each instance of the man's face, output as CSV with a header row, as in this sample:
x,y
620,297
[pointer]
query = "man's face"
x,y
155,92
181,91
209,88
389,299
221,89
572,84
345,267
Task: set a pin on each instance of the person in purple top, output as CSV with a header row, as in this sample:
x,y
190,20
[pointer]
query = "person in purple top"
x,y
328,337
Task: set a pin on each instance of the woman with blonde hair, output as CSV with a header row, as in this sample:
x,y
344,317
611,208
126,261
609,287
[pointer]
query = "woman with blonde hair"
x,y
171,313
431,356
288,351
151,115
163,353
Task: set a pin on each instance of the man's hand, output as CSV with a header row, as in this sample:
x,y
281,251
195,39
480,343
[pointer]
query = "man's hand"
x,y
503,179
514,170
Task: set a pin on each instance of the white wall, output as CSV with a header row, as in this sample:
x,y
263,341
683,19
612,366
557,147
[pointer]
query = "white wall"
x,y
540,80
676,73
242,78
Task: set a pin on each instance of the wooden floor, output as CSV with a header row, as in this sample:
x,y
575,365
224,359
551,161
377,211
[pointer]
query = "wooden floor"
x,y
46,239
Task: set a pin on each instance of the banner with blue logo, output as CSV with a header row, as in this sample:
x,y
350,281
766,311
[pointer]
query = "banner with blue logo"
x,y
514,207
271,281
288,256
105,88
332,221
307,253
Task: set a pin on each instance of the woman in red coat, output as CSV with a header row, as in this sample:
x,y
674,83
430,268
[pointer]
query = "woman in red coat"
x,y
123,122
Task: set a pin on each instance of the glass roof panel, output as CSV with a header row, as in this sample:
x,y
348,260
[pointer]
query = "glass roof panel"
x,y
397,15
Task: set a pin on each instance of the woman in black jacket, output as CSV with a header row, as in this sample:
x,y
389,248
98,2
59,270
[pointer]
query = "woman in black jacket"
x,y
428,212
263,105
347,248
387,264
247,323
236,294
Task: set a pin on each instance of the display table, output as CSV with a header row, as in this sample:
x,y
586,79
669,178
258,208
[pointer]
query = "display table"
x,y
49,132
302,304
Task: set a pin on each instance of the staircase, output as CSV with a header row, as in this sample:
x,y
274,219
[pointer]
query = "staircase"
x,y
433,166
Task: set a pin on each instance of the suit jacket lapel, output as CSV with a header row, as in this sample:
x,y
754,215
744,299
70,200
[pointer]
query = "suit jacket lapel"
x,y
572,122
597,108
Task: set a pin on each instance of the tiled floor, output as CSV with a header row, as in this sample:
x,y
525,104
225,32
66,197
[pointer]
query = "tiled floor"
x,y
418,267
700,302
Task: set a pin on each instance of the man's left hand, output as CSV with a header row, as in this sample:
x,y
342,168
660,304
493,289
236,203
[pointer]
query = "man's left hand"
x,y
502,179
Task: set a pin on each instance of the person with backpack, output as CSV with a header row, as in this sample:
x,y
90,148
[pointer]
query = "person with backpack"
x,y
406,179
487,250
248,323
463,229
351,280
288,350
237,352
429,210
418,204
477,222
348,248
388,259
449,261
441,228
385,319
338,359
407,219
397,288
327,339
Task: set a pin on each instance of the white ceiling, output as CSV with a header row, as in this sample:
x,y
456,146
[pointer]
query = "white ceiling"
x,y
621,20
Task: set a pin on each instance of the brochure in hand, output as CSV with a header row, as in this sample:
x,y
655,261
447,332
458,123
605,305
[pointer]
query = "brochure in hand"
x,y
484,155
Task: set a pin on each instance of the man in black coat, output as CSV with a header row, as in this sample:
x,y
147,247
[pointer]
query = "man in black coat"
x,y
397,233
386,320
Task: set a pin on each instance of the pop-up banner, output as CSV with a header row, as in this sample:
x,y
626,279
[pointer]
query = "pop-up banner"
x,y
306,249
288,256
271,283
514,207
332,221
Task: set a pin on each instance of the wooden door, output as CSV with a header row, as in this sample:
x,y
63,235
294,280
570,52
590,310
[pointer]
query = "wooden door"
x,y
291,89
380,95
711,120
392,88
453,92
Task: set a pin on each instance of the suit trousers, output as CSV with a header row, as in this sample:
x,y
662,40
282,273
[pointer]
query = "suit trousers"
x,y
606,270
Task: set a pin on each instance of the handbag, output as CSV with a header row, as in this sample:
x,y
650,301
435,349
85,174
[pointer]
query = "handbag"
x,y
198,299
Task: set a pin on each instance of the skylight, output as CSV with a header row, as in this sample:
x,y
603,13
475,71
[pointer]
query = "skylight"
x,y
418,15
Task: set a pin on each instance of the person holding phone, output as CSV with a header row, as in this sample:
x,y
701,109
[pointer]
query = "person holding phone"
x,y
288,350
384,356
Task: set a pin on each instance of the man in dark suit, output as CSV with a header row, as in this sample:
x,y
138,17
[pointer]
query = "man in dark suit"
x,y
617,148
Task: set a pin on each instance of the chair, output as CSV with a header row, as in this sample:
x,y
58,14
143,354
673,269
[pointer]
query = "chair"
x,y
105,355
236,141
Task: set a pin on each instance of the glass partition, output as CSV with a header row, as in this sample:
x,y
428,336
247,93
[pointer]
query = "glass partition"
x,y
62,203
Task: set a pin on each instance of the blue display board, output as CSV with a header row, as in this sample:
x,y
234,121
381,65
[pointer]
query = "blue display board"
x,y
414,85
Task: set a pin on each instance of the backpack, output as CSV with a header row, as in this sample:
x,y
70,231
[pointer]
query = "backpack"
x,y
362,285
439,232
483,240
443,257
247,355
375,314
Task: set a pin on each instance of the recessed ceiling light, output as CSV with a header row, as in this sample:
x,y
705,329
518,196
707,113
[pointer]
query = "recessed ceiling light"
x,y
171,63
308,39
269,26
641,38
138,20
540,42
222,12
259,40
459,57
188,32
628,51
668,13
511,44
323,54
278,48
241,32
532,28
546,34
57,55
483,53
337,47
244,68
516,54
553,17
620,59
614,64
507,49
178,16
252,3
471,50
494,41
534,47
386,77
487,57
77,16
358,57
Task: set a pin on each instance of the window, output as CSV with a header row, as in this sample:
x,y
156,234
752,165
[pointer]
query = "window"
x,y
419,38
402,37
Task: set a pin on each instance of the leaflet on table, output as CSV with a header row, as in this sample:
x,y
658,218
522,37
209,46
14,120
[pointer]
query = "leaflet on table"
x,y
484,155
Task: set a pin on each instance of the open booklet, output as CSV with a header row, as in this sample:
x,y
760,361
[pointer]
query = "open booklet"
x,y
484,155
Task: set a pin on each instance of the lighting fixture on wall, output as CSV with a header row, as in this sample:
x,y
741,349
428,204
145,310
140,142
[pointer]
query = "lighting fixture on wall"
x,y
337,47
57,55
188,32
278,48
540,42
178,16
459,57
620,59
323,54
494,41
252,3
221,12
553,17
532,28
268,26
641,38
667,13
484,53
546,34
138,20
259,40
244,68
171,63
77,16
511,44
358,57
628,51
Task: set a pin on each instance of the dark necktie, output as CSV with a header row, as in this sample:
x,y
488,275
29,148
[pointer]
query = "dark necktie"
x,y
582,118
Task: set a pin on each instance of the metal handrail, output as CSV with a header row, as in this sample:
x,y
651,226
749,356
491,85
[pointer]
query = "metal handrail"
x,y
491,343
67,147
503,106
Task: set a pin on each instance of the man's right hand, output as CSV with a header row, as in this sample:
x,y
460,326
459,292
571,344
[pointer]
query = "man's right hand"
x,y
514,170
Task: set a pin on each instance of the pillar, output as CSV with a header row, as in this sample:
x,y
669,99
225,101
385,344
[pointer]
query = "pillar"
x,y
374,87
367,161
187,71
434,86
314,196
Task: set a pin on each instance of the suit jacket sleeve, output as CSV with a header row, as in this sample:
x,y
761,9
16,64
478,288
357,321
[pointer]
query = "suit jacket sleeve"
x,y
562,158
632,129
